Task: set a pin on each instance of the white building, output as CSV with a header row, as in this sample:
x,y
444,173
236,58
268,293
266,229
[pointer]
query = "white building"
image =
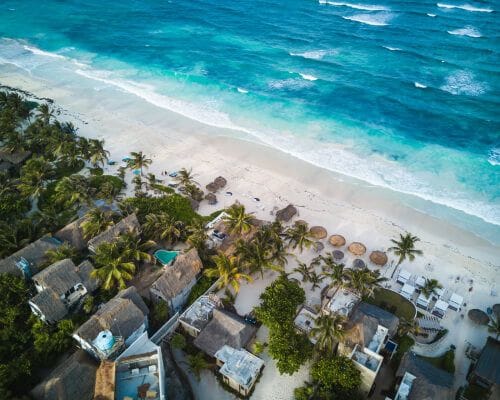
x,y
198,314
342,302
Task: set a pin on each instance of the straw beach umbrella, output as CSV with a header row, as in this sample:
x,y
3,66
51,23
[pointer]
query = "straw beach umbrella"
x,y
478,316
318,232
212,187
301,222
337,240
286,213
318,246
338,255
378,258
212,198
358,263
357,248
220,182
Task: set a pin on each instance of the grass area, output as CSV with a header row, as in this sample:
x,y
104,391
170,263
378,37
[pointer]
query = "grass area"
x,y
476,392
162,188
393,302
444,362
201,287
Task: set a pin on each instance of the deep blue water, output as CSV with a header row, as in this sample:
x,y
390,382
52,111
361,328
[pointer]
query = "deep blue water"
x,y
402,94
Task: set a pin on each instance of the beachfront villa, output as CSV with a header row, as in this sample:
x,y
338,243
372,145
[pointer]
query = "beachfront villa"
x,y
74,378
115,326
27,261
175,284
420,380
486,370
239,368
61,286
127,224
138,373
198,314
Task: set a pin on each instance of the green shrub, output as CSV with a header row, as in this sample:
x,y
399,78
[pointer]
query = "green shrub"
x,y
201,287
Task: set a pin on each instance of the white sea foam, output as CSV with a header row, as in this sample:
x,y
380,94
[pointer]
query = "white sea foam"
x,y
494,156
463,83
391,48
241,90
469,31
365,7
431,15
39,52
308,77
290,84
466,7
314,54
377,19
420,85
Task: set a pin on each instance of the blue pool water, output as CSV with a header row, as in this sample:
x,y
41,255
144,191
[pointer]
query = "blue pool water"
x,y
400,94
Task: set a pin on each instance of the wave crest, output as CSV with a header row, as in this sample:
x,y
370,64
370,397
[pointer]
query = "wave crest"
x,y
377,19
469,31
463,83
466,7
314,54
365,7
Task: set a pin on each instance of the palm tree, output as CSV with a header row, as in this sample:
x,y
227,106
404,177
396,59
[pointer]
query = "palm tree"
x,y
315,279
298,236
408,326
134,249
304,270
34,175
97,153
197,238
256,255
328,331
163,227
61,253
112,270
430,287
237,220
337,275
227,270
74,189
364,281
494,326
185,177
405,247
45,113
68,153
139,161
96,221
197,363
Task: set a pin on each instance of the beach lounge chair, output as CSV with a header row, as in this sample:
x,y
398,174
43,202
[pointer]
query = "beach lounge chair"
x,y
407,291
423,301
403,277
455,302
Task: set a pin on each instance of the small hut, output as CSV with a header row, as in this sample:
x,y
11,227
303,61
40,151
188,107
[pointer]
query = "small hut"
x,y
359,263
337,255
318,232
357,248
286,213
337,240
478,316
378,258
212,187
220,182
211,198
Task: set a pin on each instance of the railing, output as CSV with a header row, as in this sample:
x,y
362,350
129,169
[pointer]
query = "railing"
x,y
165,329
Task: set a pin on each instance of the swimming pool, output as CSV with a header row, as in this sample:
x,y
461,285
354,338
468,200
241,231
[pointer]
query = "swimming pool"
x,y
165,257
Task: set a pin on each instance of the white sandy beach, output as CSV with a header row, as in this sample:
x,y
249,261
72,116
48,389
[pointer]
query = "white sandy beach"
x,y
357,211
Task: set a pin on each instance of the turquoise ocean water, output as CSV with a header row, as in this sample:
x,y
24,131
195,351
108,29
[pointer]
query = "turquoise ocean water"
x,y
400,94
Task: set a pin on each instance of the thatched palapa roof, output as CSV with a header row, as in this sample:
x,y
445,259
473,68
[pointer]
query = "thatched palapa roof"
x,y
430,383
357,248
384,318
224,329
50,304
337,240
488,363
478,316
318,232
338,255
359,263
175,278
212,198
212,187
16,157
105,381
34,253
318,246
378,258
286,213
220,182
73,379
72,234
127,224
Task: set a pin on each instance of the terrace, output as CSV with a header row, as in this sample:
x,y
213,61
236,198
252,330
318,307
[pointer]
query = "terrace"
x,y
305,321
342,303
137,377
405,387
378,339
367,359
198,315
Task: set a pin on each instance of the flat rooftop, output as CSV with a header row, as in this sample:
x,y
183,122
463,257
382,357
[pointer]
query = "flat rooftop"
x,y
199,313
378,339
239,365
137,377
305,320
342,302
370,361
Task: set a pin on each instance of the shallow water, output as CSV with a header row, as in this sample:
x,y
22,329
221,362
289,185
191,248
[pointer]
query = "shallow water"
x,y
403,95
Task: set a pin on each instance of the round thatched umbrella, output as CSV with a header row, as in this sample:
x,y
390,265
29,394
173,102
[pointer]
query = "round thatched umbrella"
x,y
496,310
212,198
318,246
286,213
212,187
338,255
301,222
356,248
378,258
359,263
478,316
318,232
337,240
220,182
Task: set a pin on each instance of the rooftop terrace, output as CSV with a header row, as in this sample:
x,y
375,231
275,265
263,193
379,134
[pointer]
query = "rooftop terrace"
x,y
378,339
239,365
305,320
199,314
137,377
367,359
342,302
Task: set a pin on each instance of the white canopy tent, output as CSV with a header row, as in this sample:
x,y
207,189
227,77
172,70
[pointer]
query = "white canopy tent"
x,y
456,302
403,277
407,291
423,301
440,308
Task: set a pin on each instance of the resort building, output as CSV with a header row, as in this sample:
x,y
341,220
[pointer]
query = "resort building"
x,y
13,160
61,286
138,373
73,234
127,224
27,261
73,379
239,368
341,301
198,314
115,326
175,284
420,380
486,371
305,321
363,343
224,328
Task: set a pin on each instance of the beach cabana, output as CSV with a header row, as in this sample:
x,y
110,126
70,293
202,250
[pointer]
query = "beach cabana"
x,y
423,301
318,232
420,283
407,291
456,302
403,277
478,316
378,258
440,308
359,263
338,255
337,240
357,248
